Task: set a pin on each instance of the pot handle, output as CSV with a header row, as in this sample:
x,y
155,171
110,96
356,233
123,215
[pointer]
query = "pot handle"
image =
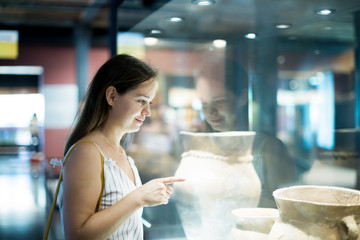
x,y
348,228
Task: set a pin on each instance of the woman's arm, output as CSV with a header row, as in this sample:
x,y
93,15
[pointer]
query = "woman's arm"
x,y
82,187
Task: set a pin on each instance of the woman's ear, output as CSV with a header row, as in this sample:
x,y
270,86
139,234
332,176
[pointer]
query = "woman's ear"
x,y
111,95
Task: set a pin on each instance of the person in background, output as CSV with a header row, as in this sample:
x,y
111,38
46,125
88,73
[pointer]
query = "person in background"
x,y
117,103
34,131
220,107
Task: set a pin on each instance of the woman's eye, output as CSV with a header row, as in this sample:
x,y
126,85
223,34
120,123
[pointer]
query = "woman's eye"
x,y
221,102
142,102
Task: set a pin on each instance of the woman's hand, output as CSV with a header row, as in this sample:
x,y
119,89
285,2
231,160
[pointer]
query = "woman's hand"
x,y
157,191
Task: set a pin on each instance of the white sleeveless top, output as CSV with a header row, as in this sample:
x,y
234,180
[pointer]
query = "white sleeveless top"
x,y
117,185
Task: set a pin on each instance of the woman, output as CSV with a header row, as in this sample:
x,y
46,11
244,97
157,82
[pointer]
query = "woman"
x,y
117,103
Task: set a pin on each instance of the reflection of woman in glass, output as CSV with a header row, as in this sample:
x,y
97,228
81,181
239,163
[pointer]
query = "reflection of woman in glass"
x,y
215,104
220,106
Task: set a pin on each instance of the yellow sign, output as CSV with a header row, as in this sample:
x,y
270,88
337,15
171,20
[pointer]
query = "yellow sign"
x,y
9,47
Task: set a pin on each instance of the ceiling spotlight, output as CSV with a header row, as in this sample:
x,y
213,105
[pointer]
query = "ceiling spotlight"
x,y
203,2
175,19
325,11
282,26
219,43
155,31
250,36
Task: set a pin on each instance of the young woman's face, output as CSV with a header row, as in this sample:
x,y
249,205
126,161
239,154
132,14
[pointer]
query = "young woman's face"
x,y
130,109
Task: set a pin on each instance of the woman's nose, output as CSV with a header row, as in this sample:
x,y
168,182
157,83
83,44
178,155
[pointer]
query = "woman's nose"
x,y
147,111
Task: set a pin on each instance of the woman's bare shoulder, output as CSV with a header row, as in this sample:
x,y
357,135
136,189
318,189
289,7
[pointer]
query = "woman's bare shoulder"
x,y
84,152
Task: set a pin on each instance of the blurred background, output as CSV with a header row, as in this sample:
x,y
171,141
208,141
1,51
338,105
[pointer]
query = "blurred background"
x,y
292,66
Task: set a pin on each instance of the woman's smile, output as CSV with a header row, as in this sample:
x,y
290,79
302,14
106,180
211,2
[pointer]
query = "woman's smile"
x,y
140,122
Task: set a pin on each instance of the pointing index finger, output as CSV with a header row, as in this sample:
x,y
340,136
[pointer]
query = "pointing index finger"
x,y
169,180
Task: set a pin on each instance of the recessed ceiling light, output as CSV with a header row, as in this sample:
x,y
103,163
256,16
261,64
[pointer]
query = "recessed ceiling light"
x,y
250,36
325,11
282,26
203,2
155,31
219,43
175,19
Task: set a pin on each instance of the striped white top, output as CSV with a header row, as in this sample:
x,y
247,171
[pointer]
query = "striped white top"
x,y
117,185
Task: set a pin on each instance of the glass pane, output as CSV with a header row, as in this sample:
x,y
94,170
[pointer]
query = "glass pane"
x,y
232,69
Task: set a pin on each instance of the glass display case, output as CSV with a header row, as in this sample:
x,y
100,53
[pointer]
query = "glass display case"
x,y
286,71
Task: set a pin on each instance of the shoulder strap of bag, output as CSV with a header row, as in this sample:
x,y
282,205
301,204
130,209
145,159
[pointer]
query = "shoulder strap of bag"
x,y
48,225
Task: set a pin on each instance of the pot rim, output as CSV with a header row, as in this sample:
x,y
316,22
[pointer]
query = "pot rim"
x,y
219,134
280,190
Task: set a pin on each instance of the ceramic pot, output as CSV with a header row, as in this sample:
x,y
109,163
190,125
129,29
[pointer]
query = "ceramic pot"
x,y
220,177
317,212
253,223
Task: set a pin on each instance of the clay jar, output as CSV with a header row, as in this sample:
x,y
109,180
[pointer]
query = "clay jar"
x,y
253,223
220,177
317,212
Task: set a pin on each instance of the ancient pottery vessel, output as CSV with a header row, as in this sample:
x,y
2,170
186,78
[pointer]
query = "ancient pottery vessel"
x,y
253,223
220,177
317,212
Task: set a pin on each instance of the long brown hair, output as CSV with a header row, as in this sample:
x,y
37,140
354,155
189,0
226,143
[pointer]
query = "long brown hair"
x,y
125,73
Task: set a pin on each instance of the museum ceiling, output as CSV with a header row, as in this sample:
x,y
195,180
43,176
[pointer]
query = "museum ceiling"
x,y
42,20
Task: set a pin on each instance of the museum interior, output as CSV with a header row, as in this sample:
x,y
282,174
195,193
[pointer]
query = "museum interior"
x,y
257,107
